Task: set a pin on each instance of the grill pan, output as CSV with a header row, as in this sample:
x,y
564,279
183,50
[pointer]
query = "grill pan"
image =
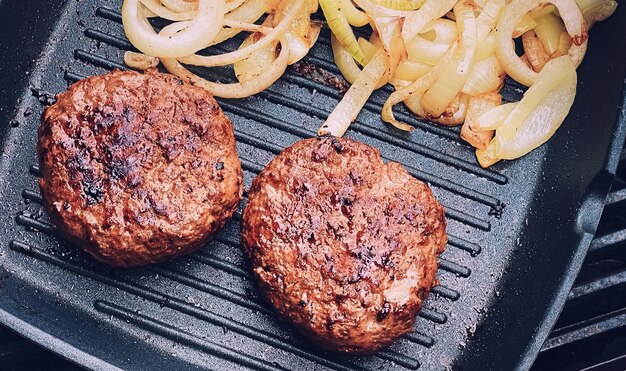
x,y
518,231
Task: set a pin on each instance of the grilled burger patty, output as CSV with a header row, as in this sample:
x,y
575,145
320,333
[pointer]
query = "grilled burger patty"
x,y
138,168
344,246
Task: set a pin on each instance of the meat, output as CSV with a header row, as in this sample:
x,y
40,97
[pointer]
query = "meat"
x,y
343,246
138,168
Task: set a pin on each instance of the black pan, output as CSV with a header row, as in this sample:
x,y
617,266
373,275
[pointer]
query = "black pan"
x,y
518,231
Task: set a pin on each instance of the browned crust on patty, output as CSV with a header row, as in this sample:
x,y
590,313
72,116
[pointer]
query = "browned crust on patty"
x,y
138,168
344,246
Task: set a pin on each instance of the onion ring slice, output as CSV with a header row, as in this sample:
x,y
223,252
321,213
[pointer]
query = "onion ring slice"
x,y
235,56
196,35
505,51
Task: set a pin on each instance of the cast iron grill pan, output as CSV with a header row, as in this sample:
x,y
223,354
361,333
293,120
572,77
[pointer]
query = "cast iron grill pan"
x,y
518,231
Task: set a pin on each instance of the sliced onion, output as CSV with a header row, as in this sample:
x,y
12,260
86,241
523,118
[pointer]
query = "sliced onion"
x,y
353,101
340,27
235,56
196,35
374,10
344,61
416,21
535,55
354,16
525,24
542,10
140,61
430,51
487,76
165,13
493,118
400,4
249,12
487,157
488,17
455,74
232,4
236,90
477,106
410,70
549,29
454,114
565,42
389,31
418,87
486,47
596,10
505,51
301,34
249,68
181,6
526,129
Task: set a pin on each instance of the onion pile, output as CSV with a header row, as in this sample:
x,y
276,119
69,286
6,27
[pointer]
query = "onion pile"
x,y
447,61
285,36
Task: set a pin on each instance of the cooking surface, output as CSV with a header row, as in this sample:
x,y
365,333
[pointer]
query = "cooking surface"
x,y
516,230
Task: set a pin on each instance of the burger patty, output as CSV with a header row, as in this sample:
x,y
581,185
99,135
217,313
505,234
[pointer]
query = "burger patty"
x,y
138,168
343,246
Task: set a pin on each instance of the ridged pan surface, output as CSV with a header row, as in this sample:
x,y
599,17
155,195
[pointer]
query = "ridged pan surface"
x,y
518,231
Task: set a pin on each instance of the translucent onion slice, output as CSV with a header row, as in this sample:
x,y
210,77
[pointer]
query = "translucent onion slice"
x,y
493,118
140,61
549,29
344,61
235,56
596,10
389,31
182,6
248,13
368,48
487,76
410,70
196,35
243,89
441,94
340,27
534,51
165,13
232,4
353,101
524,131
417,21
487,157
430,51
400,4
486,47
354,16
454,115
302,33
553,75
477,106
249,68
505,50
417,87
525,24
488,17
147,12
374,10
542,10
565,42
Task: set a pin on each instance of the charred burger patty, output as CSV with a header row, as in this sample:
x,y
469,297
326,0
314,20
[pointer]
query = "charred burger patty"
x,y
138,168
344,246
